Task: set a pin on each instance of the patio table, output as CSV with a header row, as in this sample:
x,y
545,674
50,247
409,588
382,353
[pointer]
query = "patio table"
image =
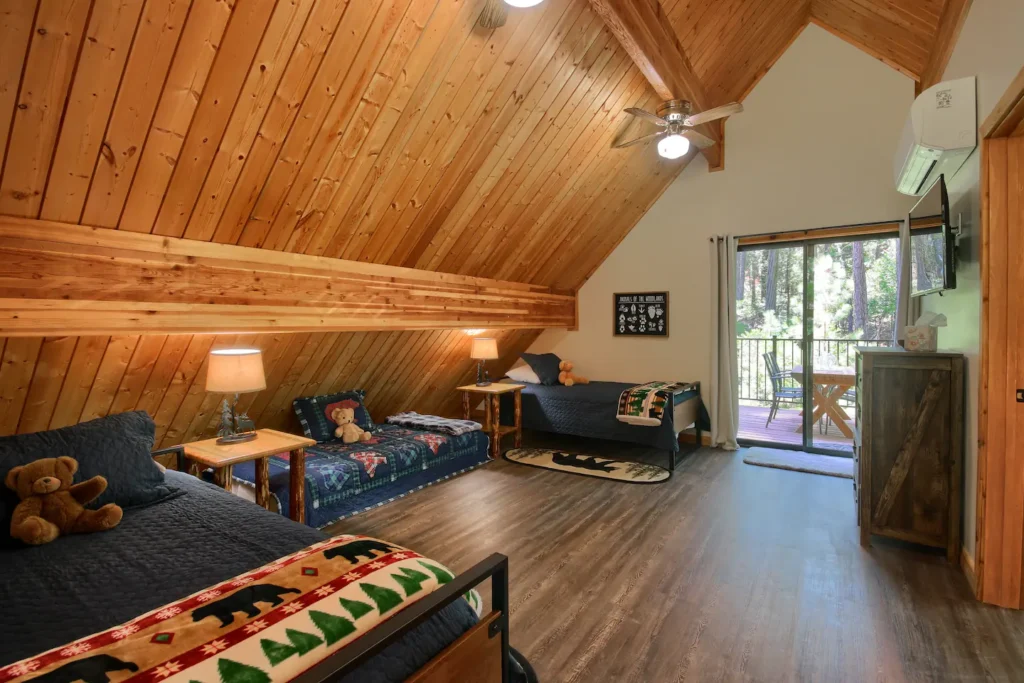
x,y
829,386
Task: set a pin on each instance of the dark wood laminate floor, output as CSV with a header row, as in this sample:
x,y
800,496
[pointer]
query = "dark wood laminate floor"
x,y
727,572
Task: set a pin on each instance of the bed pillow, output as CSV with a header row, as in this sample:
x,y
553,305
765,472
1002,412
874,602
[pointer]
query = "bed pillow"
x,y
116,447
521,372
315,413
545,365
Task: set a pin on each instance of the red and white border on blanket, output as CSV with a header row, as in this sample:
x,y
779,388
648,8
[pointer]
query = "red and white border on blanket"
x,y
186,660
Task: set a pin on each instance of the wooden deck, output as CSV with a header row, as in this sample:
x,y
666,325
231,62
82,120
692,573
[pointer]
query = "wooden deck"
x,y
784,428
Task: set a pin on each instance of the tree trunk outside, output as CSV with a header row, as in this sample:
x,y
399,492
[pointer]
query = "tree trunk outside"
x,y
923,283
741,274
860,291
769,286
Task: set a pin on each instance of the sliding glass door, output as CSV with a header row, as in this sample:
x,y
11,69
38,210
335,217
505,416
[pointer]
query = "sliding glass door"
x,y
802,309
852,302
769,343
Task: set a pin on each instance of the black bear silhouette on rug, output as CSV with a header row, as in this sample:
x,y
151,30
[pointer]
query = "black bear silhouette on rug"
x,y
583,462
243,600
93,669
356,549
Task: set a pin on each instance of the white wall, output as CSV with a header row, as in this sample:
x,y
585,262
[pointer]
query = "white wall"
x,y
813,149
990,47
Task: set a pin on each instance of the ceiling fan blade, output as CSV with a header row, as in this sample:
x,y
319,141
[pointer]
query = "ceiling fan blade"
x,y
648,116
713,114
698,140
637,141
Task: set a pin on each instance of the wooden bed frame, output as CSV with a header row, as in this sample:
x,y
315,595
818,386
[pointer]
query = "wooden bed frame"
x,y
687,413
480,655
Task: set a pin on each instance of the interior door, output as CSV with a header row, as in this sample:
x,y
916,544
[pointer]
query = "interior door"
x,y
1000,511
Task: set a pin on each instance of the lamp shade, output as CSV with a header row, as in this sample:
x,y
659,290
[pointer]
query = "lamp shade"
x,y
484,348
235,371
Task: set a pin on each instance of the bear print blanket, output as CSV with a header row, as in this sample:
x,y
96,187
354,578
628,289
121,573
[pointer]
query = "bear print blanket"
x,y
645,404
269,624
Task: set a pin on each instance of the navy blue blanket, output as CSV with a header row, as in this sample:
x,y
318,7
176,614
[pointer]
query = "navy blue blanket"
x,y
78,585
342,480
589,410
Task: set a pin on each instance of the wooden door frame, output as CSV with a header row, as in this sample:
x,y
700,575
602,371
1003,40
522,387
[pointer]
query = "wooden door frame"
x,y
1005,121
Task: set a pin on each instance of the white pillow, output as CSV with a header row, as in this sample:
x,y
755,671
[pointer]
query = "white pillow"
x,y
521,372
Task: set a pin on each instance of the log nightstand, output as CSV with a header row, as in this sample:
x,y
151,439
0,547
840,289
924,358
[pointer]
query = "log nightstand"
x,y
269,442
492,411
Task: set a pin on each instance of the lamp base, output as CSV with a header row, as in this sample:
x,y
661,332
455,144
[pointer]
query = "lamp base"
x,y
237,438
483,384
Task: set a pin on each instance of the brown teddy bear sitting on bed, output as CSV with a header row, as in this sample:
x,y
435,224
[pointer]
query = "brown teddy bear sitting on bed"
x,y
345,417
567,378
51,505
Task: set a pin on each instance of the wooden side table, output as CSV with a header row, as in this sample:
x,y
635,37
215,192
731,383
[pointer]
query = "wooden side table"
x,y
492,411
269,442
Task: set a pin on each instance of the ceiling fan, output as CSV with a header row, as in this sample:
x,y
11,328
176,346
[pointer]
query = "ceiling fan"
x,y
677,120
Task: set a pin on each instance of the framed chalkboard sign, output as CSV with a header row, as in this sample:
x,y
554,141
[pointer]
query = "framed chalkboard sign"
x,y
641,315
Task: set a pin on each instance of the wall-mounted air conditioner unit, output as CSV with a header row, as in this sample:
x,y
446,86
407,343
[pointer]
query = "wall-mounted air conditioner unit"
x,y
941,132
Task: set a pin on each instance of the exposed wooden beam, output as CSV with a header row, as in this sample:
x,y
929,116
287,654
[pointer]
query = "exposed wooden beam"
x,y
647,36
954,14
62,279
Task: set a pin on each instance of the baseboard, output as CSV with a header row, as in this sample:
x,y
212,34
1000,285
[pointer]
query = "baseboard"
x,y
967,565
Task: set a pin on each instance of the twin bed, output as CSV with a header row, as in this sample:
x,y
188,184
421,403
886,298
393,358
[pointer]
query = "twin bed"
x,y
345,479
588,410
198,584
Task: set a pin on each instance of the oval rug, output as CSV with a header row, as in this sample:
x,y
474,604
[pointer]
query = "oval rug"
x,y
589,465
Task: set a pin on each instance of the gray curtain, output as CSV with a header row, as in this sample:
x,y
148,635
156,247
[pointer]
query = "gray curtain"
x,y
724,401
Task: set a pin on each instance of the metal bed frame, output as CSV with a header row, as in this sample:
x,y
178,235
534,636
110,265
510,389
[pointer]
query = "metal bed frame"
x,y
476,640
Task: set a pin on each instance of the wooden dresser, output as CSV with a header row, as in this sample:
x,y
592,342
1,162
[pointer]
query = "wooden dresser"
x,y
908,446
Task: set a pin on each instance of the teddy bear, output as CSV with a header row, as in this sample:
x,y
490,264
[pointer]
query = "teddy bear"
x,y
566,377
51,505
348,431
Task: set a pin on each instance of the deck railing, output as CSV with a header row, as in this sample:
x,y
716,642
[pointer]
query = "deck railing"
x,y
754,384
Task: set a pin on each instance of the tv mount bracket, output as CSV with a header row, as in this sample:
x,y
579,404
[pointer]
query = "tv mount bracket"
x,y
957,229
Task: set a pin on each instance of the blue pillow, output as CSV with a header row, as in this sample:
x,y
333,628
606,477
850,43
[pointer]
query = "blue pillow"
x,y
545,365
315,413
116,447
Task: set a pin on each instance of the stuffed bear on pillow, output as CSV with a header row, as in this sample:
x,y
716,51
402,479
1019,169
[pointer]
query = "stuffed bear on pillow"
x,y
566,377
343,414
52,506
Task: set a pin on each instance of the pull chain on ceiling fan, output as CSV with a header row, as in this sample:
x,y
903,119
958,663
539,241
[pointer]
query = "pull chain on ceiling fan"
x,y
677,123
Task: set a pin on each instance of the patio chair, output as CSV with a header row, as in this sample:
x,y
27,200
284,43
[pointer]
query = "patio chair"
x,y
779,391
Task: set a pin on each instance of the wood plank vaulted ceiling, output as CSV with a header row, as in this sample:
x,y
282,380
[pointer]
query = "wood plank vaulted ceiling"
x,y
391,132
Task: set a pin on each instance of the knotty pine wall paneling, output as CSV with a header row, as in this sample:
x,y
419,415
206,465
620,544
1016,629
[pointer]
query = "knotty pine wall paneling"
x,y
56,381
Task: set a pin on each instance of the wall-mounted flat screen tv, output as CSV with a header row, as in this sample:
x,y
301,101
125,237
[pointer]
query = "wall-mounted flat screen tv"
x,y
932,243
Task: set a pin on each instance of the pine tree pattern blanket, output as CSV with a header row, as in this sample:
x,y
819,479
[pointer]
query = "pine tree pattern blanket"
x,y
264,626
645,404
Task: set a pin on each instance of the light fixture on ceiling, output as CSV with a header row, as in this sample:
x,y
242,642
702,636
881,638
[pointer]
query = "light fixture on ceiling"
x,y
523,3
673,146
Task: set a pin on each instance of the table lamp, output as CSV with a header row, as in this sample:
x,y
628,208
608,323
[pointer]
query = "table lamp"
x,y
483,349
235,371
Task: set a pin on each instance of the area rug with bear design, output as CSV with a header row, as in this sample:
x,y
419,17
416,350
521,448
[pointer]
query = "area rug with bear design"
x,y
269,624
589,465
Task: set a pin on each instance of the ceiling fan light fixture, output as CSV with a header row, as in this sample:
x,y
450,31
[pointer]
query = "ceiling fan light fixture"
x,y
523,3
673,146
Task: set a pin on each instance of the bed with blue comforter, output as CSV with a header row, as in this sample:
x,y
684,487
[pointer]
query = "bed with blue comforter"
x,y
589,410
81,584
345,479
